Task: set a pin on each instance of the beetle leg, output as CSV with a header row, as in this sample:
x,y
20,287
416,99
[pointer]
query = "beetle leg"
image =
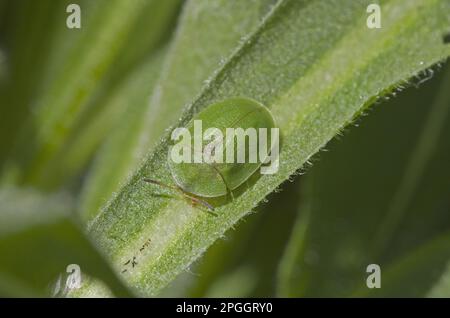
x,y
184,193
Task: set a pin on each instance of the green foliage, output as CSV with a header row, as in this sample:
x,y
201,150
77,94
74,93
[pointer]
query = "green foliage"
x,y
206,180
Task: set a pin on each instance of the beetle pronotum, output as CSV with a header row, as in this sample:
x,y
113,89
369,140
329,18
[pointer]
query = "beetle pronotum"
x,y
209,175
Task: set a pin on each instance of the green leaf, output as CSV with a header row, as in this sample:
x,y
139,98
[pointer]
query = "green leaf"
x,y
74,83
124,84
315,75
194,54
382,204
26,54
39,239
118,155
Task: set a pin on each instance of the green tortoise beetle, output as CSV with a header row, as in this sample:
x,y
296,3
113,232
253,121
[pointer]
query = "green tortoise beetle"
x,y
221,148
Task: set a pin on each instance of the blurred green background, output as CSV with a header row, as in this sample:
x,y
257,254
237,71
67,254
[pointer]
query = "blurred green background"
x,y
73,119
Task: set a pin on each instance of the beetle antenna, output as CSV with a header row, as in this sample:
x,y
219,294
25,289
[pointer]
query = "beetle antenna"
x,y
202,202
161,184
191,197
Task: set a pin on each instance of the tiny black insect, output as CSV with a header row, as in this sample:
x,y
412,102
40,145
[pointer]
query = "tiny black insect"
x,y
127,262
124,271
